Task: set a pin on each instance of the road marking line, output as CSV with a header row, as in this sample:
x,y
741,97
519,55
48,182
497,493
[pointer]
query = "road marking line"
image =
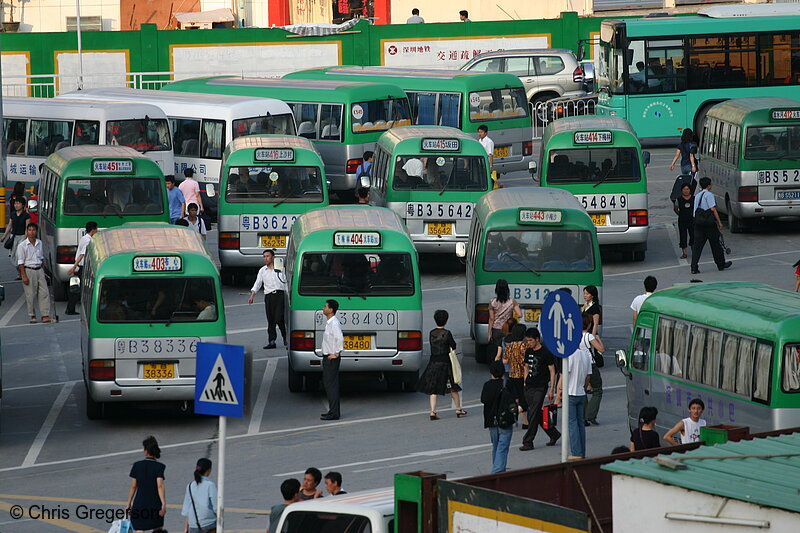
x,y
29,497
443,289
12,311
42,385
615,387
60,321
737,258
69,525
47,426
263,393
396,465
247,330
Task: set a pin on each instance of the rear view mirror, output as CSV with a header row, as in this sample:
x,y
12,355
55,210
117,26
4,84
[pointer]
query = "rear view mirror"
x,y
279,263
622,362
2,293
33,206
581,51
646,157
461,249
532,168
210,190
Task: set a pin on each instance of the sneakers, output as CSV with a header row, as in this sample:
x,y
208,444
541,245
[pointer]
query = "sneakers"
x,y
726,264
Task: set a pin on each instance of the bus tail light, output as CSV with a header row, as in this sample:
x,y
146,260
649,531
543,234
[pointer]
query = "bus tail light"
x,y
65,255
482,314
638,218
102,370
527,148
303,341
229,241
748,194
577,75
352,165
409,341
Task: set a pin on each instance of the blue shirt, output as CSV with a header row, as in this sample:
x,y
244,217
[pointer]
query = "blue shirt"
x,y
205,501
175,199
704,200
364,169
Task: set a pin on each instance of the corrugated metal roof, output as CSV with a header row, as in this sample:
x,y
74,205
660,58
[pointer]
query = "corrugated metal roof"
x,y
768,481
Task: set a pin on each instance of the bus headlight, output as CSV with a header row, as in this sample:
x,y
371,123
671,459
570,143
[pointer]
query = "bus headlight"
x,y
303,341
409,341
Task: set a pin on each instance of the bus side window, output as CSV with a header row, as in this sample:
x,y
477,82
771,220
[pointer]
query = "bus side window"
x,y
791,368
763,365
671,348
641,348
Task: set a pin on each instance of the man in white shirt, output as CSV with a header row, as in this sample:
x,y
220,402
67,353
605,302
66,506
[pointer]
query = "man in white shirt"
x,y
332,346
650,284
580,368
415,18
274,284
488,144
30,257
80,254
191,189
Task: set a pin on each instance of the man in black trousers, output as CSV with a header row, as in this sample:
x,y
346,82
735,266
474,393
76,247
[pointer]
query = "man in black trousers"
x,y
707,228
274,283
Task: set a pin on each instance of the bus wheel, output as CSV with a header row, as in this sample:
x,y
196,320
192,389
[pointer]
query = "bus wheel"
x,y
394,382
94,410
735,224
226,276
480,353
410,380
638,255
312,382
295,380
59,291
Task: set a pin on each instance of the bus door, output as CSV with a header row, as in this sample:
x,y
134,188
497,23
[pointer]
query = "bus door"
x,y
640,393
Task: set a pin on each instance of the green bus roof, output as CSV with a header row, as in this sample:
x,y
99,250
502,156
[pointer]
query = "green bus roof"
x,y
414,79
757,109
78,160
304,149
756,309
119,245
315,229
700,25
330,91
502,206
412,135
589,123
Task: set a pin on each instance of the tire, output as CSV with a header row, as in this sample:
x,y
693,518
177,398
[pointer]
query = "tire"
x,y
313,381
394,382
410,380
94,410
735,224
295,380
480,353
59,291
638,255
226,276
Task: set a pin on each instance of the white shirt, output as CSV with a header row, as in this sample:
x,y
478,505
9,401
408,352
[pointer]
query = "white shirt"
x,y
332,339
269,278
199,226
488,145
580,366
209,313
637,302
30,255
82,244
415,19
691,430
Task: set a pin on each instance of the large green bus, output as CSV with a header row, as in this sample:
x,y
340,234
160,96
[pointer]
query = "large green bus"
x,y
600,161
342,118
750,149
267,182
431,176
734,345
150,293
538,240
362,257
663,74
106,184
458,99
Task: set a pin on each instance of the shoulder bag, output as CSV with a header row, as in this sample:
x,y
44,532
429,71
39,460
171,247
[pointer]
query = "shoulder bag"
x,y
704,217
455,366
597,357
191,497
9,244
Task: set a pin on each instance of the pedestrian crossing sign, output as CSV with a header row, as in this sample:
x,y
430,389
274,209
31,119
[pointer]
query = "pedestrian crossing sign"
x,y
219,381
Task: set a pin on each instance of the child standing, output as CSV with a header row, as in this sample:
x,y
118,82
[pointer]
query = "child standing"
x,y
689,427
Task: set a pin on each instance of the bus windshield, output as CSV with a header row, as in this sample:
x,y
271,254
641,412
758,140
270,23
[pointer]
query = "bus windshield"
x,y
611,69
498,104
442,172
589,165
380,115
542,251
275,183
143,135
117,196
271,125
172,299
353,273
773,142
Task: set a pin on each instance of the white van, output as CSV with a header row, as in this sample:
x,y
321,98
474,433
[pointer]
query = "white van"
x,y
358,512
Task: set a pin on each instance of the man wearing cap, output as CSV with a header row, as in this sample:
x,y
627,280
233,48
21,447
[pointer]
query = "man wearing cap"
x,y
191,189
74,295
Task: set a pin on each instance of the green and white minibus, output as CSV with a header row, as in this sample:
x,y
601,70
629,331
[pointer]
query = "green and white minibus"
x,y
362,257
538,240
600,161
431,176
267,182
734,345
342,118
750,149
150,293
458,99
106,184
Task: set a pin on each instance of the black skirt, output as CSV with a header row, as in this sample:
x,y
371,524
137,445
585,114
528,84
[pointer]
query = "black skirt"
x,y
437,379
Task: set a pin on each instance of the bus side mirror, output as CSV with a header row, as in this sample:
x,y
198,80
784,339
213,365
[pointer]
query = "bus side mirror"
x,y
33,206
364,182
581,51
622,362
646,157
532,168
461,249
278,263
2,293
210,190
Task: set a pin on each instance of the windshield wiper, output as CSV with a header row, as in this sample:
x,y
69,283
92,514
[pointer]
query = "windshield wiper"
x,y
602,178
448,181
279,202
520,263
355,290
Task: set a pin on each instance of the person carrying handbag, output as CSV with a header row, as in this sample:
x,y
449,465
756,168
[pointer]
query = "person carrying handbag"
x,y
707,227
200,501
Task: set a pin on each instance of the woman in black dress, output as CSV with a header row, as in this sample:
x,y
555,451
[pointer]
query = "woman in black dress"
x,y
438,375
684,208
147,501
594,311
645,437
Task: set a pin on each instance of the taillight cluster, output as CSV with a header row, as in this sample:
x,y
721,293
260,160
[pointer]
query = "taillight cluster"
x,y
229,240
482,314
65,255
303,341
102,370
748,194
527,148
352,165
577,75
409,341
638,217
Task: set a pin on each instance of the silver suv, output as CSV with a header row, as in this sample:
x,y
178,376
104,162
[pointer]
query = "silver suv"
x,y
545,72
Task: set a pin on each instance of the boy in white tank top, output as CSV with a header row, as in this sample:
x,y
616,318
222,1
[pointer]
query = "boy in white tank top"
x,y
689,427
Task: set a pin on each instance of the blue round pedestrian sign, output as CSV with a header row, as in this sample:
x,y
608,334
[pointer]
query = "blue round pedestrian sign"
x,y
561,324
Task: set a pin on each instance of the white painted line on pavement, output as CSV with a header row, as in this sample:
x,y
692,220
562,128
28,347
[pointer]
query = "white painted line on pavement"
x,y
263,393
28,325
615,387
12,311
443,289
47,426
738,258
42,385
396,465
247,330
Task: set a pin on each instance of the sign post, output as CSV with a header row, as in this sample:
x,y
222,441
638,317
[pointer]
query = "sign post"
x,y
219,391
561,332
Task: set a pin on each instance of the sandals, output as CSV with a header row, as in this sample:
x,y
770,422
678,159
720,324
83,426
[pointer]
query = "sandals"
x,y
434,416
461,412
46,319
33,320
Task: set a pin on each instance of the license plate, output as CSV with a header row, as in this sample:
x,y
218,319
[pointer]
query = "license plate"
x,y
765,177
273,241
357,342
159,371
440,210
440,228
531,315
501,151
787,195
155,346
599,220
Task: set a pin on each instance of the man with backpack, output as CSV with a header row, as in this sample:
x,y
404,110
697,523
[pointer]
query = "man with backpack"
x,y
500,412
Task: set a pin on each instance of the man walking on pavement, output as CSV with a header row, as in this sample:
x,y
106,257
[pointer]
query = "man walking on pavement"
x,y
332,346
580,368
175,201
540,381
30,257
191,189
705,200
274,283
80,254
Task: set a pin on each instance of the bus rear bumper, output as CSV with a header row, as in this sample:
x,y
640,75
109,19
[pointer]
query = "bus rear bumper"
x,y
754,210
110,391
341,182
512,164
635,235
236,259
400,362
433,244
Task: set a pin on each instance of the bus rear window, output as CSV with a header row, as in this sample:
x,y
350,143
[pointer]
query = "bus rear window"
x,y
791,368
301,521
143,135
772,142
354,273
497,104
271,125
274,184
380,115
540,251
118,196
172,299
593,165
440,172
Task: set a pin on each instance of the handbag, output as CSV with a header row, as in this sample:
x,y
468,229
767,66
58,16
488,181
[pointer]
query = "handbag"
x,y
9,243
191,497
455,366
121,526
597,357
704,217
